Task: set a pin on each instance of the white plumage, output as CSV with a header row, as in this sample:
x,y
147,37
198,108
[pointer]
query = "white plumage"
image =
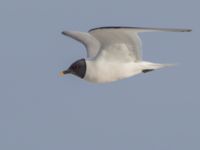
x,y
114,53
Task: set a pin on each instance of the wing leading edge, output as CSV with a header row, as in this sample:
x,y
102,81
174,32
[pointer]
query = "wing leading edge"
x,y
143,29
92,45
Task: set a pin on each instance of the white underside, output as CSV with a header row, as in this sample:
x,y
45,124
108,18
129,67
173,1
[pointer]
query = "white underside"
x,y
103,72
115,52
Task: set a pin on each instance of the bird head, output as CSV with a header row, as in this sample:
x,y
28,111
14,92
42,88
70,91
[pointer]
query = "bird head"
x,y
78,68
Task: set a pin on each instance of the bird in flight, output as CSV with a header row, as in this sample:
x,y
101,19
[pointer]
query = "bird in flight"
x,y
113,53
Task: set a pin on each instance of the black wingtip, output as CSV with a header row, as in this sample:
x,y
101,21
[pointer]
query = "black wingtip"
x,y
63,32
188,30
185,30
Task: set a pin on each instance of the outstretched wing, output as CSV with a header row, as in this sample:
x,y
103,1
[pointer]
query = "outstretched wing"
x,y
119,44
92,45
144,29
123,43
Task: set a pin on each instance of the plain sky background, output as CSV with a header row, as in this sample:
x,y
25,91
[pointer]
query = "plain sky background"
x,y
41,111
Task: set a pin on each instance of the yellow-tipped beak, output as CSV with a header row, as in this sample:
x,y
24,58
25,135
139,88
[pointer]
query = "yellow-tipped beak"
x,y
61,74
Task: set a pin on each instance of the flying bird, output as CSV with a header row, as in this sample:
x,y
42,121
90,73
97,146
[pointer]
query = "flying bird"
x,y
113,53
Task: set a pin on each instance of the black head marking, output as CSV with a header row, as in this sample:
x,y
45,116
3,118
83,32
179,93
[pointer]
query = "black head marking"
x,y
78,68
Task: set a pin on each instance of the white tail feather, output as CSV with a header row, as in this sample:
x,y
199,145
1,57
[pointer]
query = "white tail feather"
x,y
154,66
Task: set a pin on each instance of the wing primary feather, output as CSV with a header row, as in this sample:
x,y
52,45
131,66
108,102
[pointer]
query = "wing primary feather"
x,y
144,29
91,44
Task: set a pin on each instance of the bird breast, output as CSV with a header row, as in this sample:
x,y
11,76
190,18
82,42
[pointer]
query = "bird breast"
x,y
103,71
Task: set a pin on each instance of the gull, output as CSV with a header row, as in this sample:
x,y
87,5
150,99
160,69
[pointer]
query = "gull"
x,y
113,53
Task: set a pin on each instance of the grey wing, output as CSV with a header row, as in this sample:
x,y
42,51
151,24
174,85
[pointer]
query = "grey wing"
x,y
92,45
119,44
123,43
144,29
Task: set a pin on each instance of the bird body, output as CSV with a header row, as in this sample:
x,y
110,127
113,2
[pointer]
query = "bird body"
x,y
103,71
113,53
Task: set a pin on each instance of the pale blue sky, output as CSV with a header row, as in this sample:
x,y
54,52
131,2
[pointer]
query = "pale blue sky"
x,y
41,111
